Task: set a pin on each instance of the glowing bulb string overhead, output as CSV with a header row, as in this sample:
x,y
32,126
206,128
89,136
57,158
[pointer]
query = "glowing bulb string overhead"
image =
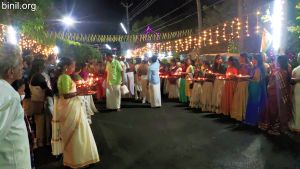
x,y
247,26
257,22
225,32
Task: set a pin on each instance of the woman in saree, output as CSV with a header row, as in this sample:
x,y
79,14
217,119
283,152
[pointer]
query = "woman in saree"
x,y
207,88
257,93
219,69
173,90
100,83
195,101
182,96
240,97
279,106
70,125
189,77
230,85
87,102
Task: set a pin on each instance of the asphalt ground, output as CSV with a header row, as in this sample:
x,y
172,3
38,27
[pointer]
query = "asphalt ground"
x,y
176,137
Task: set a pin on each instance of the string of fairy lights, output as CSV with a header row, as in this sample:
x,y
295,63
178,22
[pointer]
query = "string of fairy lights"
x,y
222,33
26,43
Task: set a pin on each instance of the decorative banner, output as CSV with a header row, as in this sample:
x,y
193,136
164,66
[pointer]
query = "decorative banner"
x,y
266,41
91,38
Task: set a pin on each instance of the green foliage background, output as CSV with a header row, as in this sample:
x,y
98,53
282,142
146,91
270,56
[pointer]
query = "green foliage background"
x,y
31,23
233,47
80,52
294,31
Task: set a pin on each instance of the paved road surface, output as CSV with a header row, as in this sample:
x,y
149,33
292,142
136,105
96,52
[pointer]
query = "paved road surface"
x,y
173,137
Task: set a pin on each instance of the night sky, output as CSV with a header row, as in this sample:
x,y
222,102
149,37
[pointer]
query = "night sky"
x,y
104,16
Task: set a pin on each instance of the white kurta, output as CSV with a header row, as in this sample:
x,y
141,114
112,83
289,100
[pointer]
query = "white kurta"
x,y
14,144
124,67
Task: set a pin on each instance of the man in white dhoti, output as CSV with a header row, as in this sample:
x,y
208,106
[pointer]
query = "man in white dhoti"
x,y
154,83
14,144
130,77
114,81
124,67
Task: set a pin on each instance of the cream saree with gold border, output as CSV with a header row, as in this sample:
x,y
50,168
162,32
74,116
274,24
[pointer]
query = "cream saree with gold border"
x,y
72,133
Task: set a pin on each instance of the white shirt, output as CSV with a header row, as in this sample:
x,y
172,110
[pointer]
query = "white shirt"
x,y
296,73
123,66
14,144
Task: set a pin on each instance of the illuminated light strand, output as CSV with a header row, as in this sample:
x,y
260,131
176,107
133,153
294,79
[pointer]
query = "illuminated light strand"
x,y
224,31
204,38
232,29
257,28
26,43
238,28
199,42
217,35
247,26
211,36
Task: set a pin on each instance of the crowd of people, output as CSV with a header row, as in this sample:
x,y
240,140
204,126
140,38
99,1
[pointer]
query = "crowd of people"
x,y
42,102
245,88
41,106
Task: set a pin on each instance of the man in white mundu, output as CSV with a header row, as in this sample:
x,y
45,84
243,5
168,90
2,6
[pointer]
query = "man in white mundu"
x,y
114,80
14,149
154,83
124,67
